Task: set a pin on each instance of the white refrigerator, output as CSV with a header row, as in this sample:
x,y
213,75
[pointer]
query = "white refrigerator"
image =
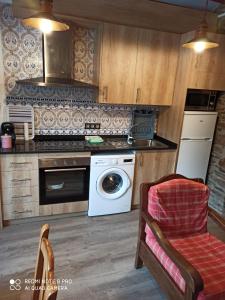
x,y
196,143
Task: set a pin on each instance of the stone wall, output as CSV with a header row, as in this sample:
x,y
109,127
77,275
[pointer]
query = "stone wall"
x,y
216,172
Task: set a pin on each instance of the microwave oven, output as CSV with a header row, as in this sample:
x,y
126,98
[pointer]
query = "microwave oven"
x,y
204,100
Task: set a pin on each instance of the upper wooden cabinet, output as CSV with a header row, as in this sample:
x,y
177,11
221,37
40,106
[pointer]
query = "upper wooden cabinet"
x,y
156,67
117,64
137,66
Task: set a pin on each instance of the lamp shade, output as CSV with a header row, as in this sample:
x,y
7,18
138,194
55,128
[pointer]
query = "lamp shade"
x,y
201,41
45,20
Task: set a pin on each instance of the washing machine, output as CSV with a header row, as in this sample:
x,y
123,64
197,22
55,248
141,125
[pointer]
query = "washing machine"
x,y
111,183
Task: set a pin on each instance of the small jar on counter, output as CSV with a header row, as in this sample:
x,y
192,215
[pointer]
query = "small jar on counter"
x,y
6,141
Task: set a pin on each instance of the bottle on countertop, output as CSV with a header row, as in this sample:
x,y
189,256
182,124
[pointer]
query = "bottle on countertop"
x,y
8,128
6,141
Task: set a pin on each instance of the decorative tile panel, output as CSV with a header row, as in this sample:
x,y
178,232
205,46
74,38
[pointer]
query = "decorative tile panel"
x,y
22,55
22,50
84,51
71,121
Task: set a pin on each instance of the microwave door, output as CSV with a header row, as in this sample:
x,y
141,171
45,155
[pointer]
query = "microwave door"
x,y
204,100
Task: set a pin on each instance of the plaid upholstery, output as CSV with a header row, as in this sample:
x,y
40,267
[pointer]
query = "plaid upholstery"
x,y
179,206
205,253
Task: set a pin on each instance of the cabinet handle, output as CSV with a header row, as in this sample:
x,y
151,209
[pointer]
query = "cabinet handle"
x,y
138,96
23,212
19,180
105,93
17,197
20,163
65,170
141,160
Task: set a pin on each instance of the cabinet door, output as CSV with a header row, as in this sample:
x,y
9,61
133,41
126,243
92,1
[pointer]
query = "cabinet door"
x,y
156,67
149,167
118,64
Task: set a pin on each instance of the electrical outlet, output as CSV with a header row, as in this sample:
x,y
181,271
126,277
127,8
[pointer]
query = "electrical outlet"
x,y
92,125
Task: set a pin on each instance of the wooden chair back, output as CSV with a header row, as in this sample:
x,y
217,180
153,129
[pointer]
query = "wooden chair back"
x,y
45,283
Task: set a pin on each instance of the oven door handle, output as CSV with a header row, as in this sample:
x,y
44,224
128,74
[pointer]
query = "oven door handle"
x,y
65,170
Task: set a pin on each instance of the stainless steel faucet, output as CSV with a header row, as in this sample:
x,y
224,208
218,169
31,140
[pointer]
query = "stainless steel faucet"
x,y
130,138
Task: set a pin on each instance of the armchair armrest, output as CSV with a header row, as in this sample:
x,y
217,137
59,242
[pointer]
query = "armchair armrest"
x,y
190,274
215,216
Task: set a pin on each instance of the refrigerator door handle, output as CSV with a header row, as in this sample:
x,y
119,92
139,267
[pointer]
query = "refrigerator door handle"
x,y
203,139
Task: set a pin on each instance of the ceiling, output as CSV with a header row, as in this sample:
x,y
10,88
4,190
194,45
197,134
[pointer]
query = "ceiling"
x,y
216,6
166,15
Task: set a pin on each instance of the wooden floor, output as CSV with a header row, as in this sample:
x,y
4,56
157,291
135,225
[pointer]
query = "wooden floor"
x,y
97,254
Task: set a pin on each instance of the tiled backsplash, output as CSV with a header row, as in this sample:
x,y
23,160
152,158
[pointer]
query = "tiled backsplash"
x,y
21,48
22,56
71,121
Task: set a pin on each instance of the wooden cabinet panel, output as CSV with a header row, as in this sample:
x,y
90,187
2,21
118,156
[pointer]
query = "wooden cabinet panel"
x,y
22,205
22,178
63,208
150,166
137,66
157,61
19,162
118,63
20,192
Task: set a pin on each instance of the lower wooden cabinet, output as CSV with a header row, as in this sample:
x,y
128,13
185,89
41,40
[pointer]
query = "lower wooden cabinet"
x,y
150,166
19,182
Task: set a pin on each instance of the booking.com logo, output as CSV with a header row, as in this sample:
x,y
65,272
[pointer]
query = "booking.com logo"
x,y
15,284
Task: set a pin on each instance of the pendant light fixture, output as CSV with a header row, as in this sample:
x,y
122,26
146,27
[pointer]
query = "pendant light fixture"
x,y
201,42
45,20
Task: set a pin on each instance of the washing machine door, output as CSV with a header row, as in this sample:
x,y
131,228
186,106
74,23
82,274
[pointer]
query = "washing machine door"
x,y
113,183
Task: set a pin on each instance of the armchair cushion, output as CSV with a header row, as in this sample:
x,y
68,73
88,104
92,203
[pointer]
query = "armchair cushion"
x,y
179,206
206,253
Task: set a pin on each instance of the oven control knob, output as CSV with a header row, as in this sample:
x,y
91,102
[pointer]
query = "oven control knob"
x,y
74,163
55,163
65,162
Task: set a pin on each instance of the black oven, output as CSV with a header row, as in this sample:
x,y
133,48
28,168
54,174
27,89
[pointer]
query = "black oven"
x,y
204,100
64,180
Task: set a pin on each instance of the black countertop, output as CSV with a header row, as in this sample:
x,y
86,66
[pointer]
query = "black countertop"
x,y
110,144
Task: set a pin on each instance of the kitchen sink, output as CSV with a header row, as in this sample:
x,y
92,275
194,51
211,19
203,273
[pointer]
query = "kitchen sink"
x,y
149,143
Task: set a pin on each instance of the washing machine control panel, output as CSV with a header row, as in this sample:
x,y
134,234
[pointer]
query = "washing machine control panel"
x,y
103,162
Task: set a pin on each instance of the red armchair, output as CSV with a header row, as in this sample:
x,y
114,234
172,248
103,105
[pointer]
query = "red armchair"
x,y
173,242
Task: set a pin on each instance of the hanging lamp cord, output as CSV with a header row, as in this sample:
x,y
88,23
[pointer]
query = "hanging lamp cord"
x,y
206,10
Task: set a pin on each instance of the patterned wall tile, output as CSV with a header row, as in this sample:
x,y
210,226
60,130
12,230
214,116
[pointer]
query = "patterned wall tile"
x,y
67,120
22,53
22,50
84,51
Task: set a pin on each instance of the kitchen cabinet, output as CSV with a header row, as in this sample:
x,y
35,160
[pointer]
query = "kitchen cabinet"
x,y
137,66
20,192
157,60
117,64
149,167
